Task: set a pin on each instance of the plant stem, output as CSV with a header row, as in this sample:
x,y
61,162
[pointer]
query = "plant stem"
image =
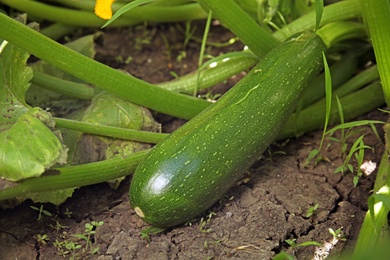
x,y
63,15
88,18
376,15
373,231
335,32
362,79
148,12
110,131
259,40
76,176
313,117
100,75
343,10
69,88
57,30
211,75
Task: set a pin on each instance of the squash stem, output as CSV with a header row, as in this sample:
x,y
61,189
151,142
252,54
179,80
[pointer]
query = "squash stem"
x,y
110,131
313,117
76,176
66,87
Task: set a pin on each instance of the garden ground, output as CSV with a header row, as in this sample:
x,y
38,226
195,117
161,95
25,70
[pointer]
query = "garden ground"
x,y
268,206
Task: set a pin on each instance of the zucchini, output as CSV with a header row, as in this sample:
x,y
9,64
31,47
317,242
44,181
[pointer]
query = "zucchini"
x,y
196,165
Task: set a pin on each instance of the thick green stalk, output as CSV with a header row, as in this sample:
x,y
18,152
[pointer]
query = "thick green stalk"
x,y
110,131
66,87
313,117
76,176
58,30
343,10
259,40
376,15
375,231
334,32
341,71
215,73
64,15
100,75
149,12
359,81
88,18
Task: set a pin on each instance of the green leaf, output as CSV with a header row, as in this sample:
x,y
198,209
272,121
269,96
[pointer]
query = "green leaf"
x,y
29,146
311,155
150,230
291,242
109,110
283,256
385,199
355,181
353,124
371,203
340,169
309,243
81,236
34,208
56,197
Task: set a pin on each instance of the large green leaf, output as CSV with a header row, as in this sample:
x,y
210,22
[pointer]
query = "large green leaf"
x,y
29,146
37,96
107,109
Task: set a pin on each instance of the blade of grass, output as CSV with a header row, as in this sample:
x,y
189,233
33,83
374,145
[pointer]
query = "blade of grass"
x,y
202,50
341,71
353,124
328,98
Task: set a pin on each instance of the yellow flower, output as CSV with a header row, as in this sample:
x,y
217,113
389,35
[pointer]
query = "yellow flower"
x,y
103,9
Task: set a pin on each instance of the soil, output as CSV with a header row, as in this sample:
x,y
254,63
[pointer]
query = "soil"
x,y
252,221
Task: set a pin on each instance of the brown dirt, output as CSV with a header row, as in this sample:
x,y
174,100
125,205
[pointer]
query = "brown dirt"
x,y
251,222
